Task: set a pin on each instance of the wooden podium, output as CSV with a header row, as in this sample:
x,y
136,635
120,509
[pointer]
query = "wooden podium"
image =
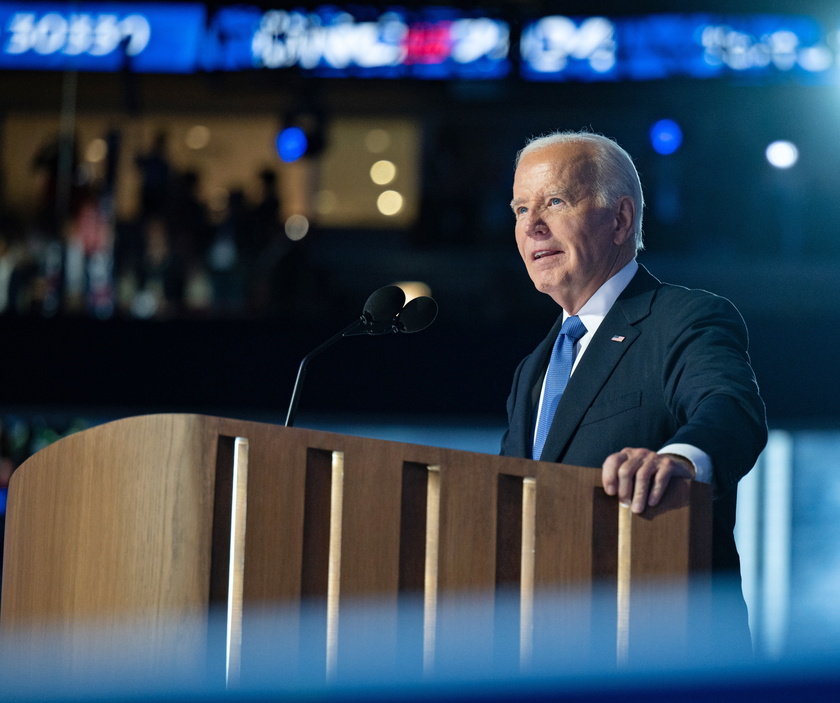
x,y
155,524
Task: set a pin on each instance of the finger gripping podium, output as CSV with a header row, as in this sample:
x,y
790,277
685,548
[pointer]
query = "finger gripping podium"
x,y
155,524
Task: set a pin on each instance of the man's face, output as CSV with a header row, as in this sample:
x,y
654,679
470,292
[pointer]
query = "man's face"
x,y
570,244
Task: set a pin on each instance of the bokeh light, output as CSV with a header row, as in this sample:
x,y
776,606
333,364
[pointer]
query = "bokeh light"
x,y
198,137
666,137
414,289
325,201
377,140
383,172
296,227
389,202
96,151
291,144
782,154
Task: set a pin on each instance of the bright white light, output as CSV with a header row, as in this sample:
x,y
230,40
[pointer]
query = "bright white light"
x,y
383,172
289,38
548,43
474,38
297,227
782,154
815,59
390,202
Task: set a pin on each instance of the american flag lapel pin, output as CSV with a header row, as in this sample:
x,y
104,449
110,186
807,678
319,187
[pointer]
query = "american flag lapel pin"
x,y
617,338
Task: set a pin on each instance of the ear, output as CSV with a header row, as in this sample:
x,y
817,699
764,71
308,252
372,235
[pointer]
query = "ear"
x,y
625,216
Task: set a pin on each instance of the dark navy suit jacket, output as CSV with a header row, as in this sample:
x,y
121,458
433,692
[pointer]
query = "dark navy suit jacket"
x,y
666,365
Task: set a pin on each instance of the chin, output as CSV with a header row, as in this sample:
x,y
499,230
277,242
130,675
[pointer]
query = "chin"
x,y
550,287
546,283
549,290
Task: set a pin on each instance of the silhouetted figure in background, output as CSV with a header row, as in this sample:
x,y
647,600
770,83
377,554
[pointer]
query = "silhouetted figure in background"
x,y
229,254
267,210
270,241
160,274
60,163
188,220
155,172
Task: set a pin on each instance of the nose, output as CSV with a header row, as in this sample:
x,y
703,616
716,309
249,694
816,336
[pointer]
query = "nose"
x,y
533,224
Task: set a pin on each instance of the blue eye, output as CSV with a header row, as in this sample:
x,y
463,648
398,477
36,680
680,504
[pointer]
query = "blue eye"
x,y
555,201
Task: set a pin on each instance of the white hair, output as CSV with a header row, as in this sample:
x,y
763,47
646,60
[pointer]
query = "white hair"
x,y
615,173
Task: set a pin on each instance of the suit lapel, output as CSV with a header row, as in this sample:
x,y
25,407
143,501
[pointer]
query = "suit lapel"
x,y
614,337
528,392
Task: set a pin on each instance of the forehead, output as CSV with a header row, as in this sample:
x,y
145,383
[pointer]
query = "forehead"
x,y
567,166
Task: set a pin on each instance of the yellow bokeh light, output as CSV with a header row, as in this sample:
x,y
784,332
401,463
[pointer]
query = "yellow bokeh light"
x,y
377,140
383,172
325,202
414,289
217,201
198,137
96,151
390,202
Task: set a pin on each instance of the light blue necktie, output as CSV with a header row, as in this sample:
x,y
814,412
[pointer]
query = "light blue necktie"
x,y
556,377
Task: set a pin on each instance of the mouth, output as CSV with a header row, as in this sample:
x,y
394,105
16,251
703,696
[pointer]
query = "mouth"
x,y
544,253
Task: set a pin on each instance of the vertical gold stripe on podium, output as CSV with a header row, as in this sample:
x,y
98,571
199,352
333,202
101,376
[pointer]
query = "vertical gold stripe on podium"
x,y
625,533
430,587
334,566
236,568
526,598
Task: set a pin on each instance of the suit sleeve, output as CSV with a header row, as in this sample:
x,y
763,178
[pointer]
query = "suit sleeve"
x,y
510,439
710,387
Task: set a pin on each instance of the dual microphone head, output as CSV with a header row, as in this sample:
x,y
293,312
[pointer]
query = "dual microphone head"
x,y
386,311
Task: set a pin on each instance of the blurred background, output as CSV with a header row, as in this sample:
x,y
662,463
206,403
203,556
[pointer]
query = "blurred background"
x,y
193,196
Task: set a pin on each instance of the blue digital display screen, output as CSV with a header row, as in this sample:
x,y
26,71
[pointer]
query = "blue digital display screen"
x,y
654,47
332,42
390,42
147,37
665,46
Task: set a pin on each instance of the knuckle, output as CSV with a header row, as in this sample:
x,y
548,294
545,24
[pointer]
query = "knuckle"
x,y
626,471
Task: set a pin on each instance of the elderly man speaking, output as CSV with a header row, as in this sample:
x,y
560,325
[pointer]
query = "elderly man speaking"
x,y
647,380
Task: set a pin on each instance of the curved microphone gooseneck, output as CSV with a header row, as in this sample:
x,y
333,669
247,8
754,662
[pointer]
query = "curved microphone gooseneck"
x,y
384,312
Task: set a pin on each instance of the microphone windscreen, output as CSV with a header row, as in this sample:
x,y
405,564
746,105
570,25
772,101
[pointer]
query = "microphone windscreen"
x,y
384,304
418,314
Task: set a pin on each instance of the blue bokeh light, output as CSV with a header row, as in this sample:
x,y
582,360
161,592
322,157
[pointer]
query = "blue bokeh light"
x,y
291,144
666,137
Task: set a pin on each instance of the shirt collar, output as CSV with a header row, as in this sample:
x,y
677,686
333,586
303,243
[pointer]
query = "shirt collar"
x,y
596,308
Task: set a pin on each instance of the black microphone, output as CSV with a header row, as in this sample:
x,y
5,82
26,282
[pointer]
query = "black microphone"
x,y
384,303
385,311
417,315
379,313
